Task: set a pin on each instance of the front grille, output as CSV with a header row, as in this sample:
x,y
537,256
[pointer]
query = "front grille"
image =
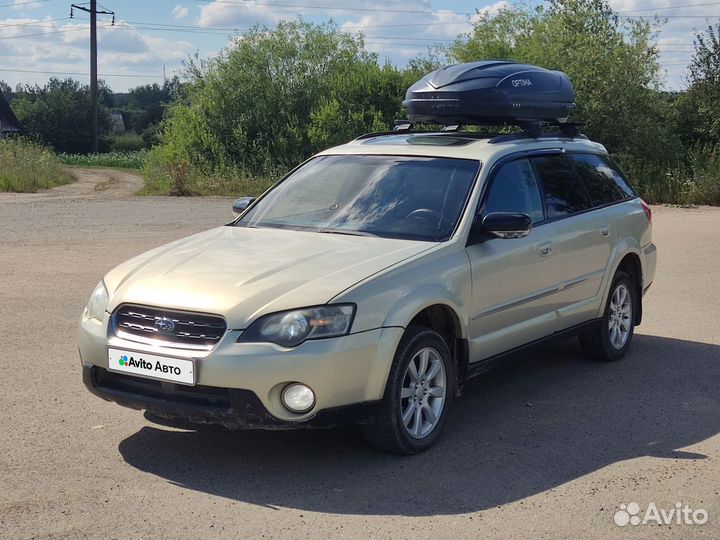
x,y
168,328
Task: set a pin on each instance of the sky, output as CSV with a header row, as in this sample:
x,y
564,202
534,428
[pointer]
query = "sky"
x,y
38,39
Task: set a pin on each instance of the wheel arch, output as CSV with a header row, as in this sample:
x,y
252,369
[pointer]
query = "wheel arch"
x,y
628,260
442,314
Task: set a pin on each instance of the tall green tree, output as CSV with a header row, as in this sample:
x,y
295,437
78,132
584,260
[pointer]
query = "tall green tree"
x,y
58,114
277,95
613,64
699,106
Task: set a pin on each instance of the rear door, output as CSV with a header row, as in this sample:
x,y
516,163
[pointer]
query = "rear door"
x,y
581,237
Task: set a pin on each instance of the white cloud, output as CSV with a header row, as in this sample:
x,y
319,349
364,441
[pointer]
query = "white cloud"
x,y
23,4
676,34
180,11
224,14
55,47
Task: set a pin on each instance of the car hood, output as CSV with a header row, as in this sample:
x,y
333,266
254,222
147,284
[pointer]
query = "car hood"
x,y
242,273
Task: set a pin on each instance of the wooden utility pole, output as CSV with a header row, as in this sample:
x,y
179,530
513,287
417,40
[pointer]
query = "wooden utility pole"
x,y
93,11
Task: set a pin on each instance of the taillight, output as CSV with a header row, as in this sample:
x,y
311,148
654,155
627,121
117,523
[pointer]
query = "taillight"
x,y
647,210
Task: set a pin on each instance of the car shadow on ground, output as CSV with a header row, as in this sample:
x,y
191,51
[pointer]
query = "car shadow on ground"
x,y
518,431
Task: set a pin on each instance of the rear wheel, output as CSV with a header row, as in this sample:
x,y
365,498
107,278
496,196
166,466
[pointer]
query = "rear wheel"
x,y
611,340
418,395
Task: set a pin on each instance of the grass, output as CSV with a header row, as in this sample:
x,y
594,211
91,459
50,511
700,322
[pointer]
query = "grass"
x,y
26,167
116,160
164,176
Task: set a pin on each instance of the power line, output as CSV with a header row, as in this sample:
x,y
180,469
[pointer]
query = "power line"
x,y
80,73
23,3
669,16
409,38
34,24
45,33
670,7
341,8
441,12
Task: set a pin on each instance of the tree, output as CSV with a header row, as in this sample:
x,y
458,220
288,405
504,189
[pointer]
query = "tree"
x,y
699,107
612,62
277,95
143,106
58,114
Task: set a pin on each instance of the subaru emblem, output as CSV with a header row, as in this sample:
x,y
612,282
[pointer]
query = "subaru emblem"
x,y
164,325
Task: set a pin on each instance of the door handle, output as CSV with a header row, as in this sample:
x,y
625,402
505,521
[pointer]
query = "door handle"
x,y
545,249
605,231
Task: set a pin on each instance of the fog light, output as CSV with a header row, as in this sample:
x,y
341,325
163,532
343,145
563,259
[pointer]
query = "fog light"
x,y
298,398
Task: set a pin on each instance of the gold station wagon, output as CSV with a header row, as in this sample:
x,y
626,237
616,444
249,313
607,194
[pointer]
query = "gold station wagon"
x,y
372,281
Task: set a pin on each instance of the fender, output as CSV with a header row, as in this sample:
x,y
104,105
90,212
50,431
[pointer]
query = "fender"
x,y
424,296
622,248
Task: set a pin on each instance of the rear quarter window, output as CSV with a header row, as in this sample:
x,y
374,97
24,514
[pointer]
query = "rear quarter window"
x,y
603,180
563,191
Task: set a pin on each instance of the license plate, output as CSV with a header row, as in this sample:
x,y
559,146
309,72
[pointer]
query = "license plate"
x,y
152,366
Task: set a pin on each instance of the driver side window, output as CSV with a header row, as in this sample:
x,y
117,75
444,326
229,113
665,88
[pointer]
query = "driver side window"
x,y
514,189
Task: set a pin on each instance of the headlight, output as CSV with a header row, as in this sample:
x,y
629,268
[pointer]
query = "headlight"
x,y
98,302
291,328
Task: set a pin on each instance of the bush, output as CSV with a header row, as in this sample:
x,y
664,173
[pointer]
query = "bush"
x,y
127,142
270,100
119,160
26,166
168,175
696,181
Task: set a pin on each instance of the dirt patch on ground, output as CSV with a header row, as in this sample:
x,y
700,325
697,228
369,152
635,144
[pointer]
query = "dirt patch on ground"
x,y
89,184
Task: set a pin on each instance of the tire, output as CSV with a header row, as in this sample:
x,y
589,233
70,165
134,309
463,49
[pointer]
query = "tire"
x,y
611,339
406,389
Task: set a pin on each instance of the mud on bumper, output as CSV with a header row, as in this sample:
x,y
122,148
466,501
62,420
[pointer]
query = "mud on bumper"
x,y
176,404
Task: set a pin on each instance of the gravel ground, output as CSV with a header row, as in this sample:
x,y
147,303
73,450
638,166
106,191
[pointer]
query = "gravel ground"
x,y
549,447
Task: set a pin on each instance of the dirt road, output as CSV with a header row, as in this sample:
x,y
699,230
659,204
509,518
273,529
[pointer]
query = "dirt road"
x,y
550,447
89,184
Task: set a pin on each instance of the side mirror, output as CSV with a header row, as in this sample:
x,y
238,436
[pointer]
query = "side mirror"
x,y
507,224
241,204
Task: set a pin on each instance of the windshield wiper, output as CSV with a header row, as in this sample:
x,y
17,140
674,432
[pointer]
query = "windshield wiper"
x,y
348,233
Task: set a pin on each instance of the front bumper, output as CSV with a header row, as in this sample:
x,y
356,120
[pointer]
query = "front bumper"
x,y
343,371
183,406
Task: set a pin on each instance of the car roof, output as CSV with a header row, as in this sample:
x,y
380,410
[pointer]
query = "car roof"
x,y
463,145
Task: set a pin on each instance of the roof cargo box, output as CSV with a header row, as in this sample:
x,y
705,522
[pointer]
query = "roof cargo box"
x,y
490,92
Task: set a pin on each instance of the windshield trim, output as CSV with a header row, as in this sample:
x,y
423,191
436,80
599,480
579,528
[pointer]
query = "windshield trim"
x,y
396,236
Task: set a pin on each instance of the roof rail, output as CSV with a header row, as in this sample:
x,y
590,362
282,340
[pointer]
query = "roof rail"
x,y
530,130
535,130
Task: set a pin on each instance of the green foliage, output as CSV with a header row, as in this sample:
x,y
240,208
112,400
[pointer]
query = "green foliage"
x,y
26,166
271,99
165,175
118,160
612,63
699,106
143,106
127,142
58,114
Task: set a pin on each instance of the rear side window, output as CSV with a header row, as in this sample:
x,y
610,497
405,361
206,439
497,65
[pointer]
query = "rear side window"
x,y
603,181
514,189
564,191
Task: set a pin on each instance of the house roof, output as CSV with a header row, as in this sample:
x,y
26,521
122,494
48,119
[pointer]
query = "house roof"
x,y
8,121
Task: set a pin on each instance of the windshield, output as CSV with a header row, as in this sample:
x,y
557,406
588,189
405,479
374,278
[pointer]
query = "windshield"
x,y
419,198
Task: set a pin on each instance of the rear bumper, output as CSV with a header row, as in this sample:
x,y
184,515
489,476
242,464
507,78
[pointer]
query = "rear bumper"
x,y
229,407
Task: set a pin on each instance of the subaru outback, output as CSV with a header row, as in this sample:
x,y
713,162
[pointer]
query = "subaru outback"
x,y
372,281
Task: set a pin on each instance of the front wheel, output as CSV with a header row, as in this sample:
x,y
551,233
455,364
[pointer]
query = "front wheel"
x,y
611,340
417,397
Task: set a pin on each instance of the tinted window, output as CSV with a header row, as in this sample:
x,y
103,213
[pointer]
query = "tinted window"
x,y
604,183
514,189
391,196
564,192
618,177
